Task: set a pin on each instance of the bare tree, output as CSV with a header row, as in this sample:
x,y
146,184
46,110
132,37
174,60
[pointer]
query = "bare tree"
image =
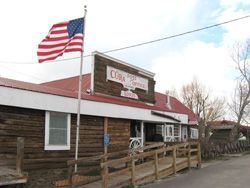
x,y
195,96
198,98
216,109
241,99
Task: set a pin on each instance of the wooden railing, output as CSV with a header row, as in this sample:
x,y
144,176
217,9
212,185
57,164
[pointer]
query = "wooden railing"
x,y
10,176
189,151
20,154
104,158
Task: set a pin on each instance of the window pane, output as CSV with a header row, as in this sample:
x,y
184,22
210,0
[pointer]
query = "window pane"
x,y
170,131
58,120
58,137
194,133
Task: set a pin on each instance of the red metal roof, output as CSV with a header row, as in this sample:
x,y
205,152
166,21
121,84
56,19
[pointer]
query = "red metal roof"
x,y
68,87
35,87
70,84
176,106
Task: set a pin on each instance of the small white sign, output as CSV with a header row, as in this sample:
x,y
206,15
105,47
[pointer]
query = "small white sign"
x,y
129,94
128,80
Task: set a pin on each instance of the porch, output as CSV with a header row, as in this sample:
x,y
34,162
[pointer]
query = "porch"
x,y
145,133
152,164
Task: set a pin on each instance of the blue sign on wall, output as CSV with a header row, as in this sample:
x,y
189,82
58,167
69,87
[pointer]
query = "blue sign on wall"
x,y
106,139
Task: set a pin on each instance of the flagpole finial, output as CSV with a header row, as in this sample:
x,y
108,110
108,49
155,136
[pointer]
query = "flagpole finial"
x,y
85,10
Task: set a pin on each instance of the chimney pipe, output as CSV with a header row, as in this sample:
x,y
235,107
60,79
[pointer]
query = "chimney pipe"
x,y
168,103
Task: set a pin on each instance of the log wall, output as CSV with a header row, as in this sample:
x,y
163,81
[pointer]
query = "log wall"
x,y
119,132
30,124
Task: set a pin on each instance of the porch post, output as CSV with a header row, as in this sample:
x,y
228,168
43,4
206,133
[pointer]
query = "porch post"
x,y
142,133
105,133
180,133
164,132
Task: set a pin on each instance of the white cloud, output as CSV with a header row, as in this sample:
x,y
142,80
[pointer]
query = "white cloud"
x,y
235,31
208,61
110,24
113,24
234,3
211,65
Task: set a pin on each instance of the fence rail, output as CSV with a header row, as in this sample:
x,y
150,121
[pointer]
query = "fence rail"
x,y
139,167
136,166
10,176
212,150
79,179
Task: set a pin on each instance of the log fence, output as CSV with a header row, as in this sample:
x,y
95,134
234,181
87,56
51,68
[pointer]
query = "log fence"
x,y
81,177
10,176
213,150
174,158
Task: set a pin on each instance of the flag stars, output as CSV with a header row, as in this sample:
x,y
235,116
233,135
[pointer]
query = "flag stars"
x,y
63,37
75,27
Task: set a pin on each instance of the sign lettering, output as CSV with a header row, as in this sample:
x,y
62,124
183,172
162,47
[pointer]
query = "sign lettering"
x,y
129,81
129,94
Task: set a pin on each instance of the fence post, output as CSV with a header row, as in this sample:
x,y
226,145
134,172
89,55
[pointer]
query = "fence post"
x,y
105,176
174,160
70,174
189,156
199,155
20,153
156,166
133,172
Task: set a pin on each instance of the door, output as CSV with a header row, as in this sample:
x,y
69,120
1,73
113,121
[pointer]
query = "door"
x,y
184,132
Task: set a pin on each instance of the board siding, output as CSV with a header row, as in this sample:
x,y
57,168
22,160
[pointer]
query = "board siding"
x,y
104,86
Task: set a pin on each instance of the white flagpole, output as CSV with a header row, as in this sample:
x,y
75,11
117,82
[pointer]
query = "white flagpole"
x,y
80,91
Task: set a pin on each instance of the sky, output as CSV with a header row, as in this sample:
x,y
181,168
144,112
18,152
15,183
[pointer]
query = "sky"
x,y
112,24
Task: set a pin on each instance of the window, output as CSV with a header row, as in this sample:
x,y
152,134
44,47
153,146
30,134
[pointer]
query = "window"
x,y
170,130
57,131
184,133
169,133
159,129
194,133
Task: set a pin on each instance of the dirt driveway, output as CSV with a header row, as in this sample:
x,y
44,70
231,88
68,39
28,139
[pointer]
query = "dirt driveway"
x,y
232,173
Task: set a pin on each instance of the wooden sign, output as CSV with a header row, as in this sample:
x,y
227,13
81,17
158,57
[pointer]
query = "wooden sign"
x,y
116,78
128,80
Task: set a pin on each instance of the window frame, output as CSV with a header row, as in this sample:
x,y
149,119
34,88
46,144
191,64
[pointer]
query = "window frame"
x,y
184,133
194,134
48,146
168,132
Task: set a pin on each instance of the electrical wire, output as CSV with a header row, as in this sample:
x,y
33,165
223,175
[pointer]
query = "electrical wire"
x,y
143,43
25,74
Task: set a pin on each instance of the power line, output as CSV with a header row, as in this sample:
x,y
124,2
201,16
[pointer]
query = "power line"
x,y
25,74
177,35
144,43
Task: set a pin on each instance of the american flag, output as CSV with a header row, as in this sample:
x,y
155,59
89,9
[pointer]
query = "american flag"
x,y
63,37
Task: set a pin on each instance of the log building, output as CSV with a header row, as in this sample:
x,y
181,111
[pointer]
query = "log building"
x,y
115,92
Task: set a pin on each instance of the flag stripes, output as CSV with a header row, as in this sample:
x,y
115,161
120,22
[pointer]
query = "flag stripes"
x,y
58,41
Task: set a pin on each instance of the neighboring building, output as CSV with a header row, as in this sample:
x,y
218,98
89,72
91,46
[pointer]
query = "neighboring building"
x,y
222,131
123,94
